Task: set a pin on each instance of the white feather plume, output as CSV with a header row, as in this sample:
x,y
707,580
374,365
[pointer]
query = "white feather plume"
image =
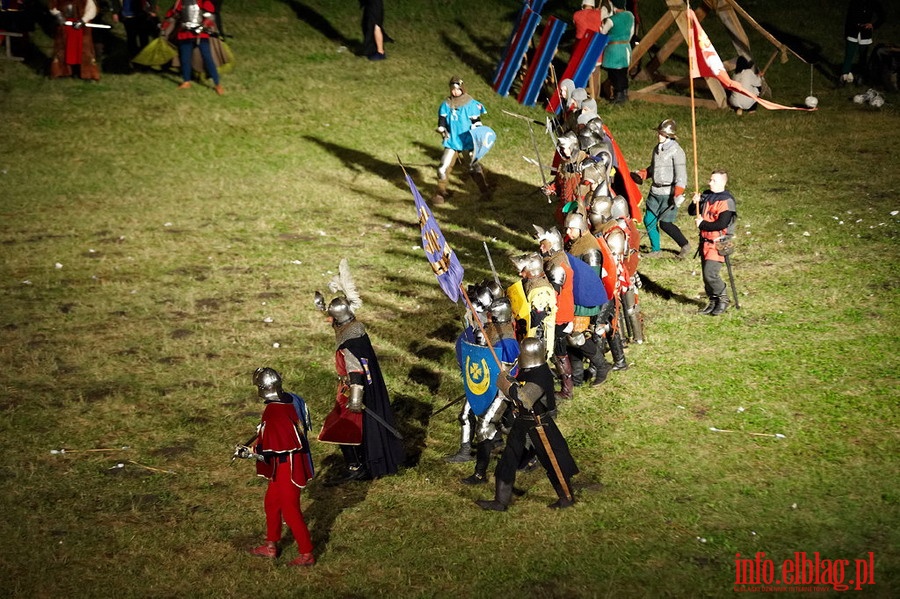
x,y
344,283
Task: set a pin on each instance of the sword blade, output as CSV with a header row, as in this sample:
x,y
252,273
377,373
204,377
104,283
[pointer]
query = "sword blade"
x,y
91,25
737,304
381,421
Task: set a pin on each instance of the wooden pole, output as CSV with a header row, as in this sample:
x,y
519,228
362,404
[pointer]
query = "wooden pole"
x,y
692,66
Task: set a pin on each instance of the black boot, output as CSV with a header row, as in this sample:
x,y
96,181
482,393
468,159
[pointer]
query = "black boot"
x,y
482,459
710,306
722,303
481,181
617,349
579,375
600,367
564,366
564,500
502,497
463,455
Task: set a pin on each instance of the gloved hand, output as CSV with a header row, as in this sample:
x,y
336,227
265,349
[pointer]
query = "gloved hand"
x,y
444,133
679,200
242,451
355,401
547,190
77,24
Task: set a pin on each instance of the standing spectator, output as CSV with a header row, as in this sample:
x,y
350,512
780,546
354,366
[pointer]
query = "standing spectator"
x,y
714,213
194,23
74,43
617,55
140,22
863,18
373,29
592,19
282,455
745,74
668,169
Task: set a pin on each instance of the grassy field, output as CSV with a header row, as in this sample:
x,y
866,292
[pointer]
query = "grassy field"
x,y
158,245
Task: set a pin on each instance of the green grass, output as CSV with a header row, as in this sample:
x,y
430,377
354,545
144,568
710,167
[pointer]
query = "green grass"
x,y
182,220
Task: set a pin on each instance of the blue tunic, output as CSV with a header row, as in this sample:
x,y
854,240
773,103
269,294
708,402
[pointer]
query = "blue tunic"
x,y
459,123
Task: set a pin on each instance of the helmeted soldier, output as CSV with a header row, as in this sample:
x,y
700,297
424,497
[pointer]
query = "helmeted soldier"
x,y
567,183
626,283
488,425
458,114
559,273
533,300
668,170
533,432
370,448
481,298
281,452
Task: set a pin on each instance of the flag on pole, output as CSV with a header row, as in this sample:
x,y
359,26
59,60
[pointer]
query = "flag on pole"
x,y
443,260
707,63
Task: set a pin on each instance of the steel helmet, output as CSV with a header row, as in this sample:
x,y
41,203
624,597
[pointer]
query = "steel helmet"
x,y
668,128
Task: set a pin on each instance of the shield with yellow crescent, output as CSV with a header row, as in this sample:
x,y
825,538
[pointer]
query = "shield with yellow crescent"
x,y
479,374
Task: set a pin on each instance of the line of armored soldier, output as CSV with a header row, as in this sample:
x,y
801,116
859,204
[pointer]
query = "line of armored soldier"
x,y
600,231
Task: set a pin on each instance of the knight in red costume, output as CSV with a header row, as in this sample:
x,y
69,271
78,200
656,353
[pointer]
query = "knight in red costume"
x,y
282,456
195,25
74,43
714,213
362,421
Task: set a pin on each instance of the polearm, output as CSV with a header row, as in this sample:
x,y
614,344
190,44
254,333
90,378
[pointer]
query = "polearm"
x,y
737,304
537,151
89,25
491,262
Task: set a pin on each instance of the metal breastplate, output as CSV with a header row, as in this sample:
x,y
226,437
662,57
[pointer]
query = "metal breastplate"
x,y
190,16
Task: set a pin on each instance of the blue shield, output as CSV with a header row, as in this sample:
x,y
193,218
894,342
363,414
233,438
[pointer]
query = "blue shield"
x,y
483,138
479,374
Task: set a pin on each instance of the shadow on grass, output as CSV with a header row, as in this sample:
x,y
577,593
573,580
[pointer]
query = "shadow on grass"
x,y
650,286
318,22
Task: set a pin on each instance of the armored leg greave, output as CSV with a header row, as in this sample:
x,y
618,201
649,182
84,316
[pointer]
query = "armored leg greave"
x,y
617,348
564,366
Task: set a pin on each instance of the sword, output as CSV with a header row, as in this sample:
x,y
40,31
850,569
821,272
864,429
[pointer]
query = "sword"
x,y
451,403
381,421
491,262
737,305
90,25
556,469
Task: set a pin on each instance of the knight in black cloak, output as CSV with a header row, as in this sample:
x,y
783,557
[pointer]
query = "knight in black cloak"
x,y
362,421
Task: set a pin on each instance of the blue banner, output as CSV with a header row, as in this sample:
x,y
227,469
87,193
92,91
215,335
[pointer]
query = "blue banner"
x,y
443,260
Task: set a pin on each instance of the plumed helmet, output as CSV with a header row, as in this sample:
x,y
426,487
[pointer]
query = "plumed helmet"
x,y
601,211
340,310
501,311
615,239
567,144
531,264
619,208
576,220
268,383
668,128
551,235
532,353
